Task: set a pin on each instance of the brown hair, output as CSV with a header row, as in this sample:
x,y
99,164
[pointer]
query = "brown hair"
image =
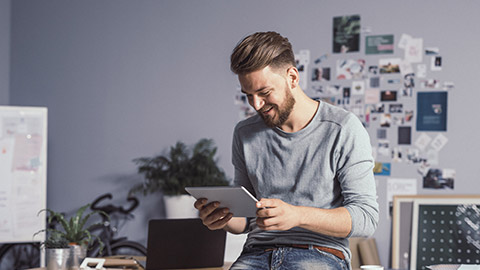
x,y
259,50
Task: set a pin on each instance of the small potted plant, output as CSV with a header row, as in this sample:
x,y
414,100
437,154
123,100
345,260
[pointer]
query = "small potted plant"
x,y
179,168
67,246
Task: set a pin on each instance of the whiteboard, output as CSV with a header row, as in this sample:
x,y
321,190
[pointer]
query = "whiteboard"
x,y
23,173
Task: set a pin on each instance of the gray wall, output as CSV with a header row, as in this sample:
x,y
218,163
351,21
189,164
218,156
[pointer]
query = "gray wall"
x,y
4,51
124,79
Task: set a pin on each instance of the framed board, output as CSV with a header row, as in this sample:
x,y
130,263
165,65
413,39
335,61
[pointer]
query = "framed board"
x,y
402,224
23,173
445,231
401,230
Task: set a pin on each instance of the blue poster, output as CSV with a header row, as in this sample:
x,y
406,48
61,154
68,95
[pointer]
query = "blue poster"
x,y
382,168
432,111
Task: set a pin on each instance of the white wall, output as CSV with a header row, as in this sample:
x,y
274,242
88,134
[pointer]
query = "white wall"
x,y
124,79
4,51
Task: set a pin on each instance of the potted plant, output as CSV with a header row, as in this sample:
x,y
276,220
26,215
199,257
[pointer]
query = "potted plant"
x,y
180,167
67,246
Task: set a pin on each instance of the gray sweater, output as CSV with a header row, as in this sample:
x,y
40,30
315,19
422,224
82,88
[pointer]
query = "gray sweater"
x,y
327,164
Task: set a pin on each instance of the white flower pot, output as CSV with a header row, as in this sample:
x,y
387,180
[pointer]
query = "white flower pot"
x,y
180,206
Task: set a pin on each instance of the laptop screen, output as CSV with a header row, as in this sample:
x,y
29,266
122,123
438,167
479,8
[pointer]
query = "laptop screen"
x,y
183,243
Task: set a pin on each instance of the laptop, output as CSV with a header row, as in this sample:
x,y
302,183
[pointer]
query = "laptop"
x,y
182,244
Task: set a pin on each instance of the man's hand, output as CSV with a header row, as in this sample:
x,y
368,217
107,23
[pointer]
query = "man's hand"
x,y
275,214
213,217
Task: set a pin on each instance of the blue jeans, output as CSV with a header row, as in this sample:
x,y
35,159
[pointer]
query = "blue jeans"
x,y
288,258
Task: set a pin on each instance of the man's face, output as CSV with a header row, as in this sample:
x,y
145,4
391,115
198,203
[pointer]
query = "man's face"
x,y
268,93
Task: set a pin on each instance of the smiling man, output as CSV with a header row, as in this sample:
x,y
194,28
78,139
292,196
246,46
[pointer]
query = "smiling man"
x,y
308,162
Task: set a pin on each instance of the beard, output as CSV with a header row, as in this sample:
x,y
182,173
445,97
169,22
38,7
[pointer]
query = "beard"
x,y
282,112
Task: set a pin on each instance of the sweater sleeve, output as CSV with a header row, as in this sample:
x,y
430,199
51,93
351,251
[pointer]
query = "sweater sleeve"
x,y
355,174
238,161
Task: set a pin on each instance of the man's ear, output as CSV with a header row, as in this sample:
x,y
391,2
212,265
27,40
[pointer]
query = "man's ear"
x,y
293,77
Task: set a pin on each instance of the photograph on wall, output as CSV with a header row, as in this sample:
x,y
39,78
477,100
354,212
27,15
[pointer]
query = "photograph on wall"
x,y
357,107
374,82
358,87
405,67
346,34
393,81
385,120
421,71
405,135
432,111
391,65
413,156
302,58
383,147
350,69
408,84
439,142
436,64
430,84
372,96
325,74
316,74
404,38
397,154
388,95
346,92
373,70
408,116
320,59
395,108
439,178
334,90
381,134
432,51
381,44
422,141
414,50
377,108
381,168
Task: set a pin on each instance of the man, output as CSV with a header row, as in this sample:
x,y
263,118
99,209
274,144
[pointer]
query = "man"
x,y
308,162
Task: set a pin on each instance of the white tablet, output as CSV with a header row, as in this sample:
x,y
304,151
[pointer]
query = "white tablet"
x,y
240,202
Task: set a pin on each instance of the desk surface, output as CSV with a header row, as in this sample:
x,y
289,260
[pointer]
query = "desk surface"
x,y
226,266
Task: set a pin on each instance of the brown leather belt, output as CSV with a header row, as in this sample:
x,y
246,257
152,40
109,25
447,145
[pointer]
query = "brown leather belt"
x,y
332,251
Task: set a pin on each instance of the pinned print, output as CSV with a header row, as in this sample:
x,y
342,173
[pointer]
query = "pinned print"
x,y
432,111
422,141
439,179
372,96
302,59
413,50
439,142
382,169
350,69
391,65
346,34
381,44
436,63
358,87
405,135
388,95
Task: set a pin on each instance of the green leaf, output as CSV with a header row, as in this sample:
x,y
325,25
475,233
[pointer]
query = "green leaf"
x,y
180,167
71,231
